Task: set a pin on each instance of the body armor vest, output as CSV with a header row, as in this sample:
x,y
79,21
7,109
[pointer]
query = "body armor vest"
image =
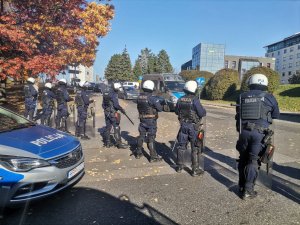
x,y
47,101
144,107
254,108
27,91
108,103
186,111
60,96
78,99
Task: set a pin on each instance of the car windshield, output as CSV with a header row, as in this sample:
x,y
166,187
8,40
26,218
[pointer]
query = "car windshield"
x,y
11,121
175,86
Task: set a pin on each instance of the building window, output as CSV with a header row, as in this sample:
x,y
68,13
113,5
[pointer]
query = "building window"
x,y
260,64
298,63
268,65
233,64
283,66
298,55
283,74
291,49
298,47
290,73
226,64
284,51
278,53
272,54
290,65
283,59
291,56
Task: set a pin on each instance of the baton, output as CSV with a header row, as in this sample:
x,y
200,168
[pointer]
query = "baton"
x,y
128,118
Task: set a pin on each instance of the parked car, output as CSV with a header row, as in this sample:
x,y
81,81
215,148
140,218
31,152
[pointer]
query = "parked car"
x,y
99,87
128,93
130,84
168,86
35,160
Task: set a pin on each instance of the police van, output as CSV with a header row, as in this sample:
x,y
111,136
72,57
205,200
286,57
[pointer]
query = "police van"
x,y
168,86
35,160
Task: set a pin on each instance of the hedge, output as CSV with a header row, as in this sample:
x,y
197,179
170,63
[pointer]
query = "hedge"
x,y
273,78
222,85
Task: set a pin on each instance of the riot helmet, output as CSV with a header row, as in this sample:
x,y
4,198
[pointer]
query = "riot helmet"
x,y
31,80
148,85
116,86
258,81
62,81
48,85
190,87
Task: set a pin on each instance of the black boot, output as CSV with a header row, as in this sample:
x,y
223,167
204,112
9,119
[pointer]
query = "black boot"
x,y
196,171
139,150
249,194
179,168
153,155
117,134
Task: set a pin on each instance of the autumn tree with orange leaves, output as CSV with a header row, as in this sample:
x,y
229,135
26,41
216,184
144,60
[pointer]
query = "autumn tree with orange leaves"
x,y
43,36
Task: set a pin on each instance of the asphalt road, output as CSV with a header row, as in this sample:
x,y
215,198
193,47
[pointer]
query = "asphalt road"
x,y
119,189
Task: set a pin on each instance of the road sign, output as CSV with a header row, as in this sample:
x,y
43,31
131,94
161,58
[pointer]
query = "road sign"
x,y
200,81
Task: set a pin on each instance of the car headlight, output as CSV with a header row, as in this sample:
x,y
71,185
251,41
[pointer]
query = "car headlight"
x,y
21,164
173,99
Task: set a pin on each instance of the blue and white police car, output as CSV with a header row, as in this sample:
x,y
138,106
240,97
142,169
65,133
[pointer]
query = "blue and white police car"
x,y
35,161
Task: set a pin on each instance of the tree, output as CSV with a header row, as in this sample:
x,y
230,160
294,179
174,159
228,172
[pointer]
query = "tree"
x,y
222,84
119,67
163,63
273,78
295,79
113,69
137,70
42,36
126,66
193,74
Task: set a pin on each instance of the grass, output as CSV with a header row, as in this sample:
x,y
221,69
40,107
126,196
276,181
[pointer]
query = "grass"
x,y
288,97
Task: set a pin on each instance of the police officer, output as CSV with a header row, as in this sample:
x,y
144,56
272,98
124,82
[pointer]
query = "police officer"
x,y
82,101
190,112
148,107
62,97
48,104
111,107
31,95
255,111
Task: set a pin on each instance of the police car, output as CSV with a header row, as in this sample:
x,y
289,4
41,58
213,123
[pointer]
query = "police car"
x,y
35,161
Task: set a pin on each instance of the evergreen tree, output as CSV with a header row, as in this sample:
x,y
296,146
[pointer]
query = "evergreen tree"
x,y
112,71
119,67
137,69
163,63
126,66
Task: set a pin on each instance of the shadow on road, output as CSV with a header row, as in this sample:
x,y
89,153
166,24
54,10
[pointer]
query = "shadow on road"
x,y
85,206
282,186
291,117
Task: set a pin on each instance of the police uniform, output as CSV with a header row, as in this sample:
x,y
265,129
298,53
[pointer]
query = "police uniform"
x,y
31,95
148,107
111,107
62,97
190,112
48,104
82,101
256,109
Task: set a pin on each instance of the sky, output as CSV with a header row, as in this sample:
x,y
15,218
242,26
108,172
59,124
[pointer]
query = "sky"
x,y
244,26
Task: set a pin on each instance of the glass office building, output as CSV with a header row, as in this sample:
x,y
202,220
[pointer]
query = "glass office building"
x,y
208,57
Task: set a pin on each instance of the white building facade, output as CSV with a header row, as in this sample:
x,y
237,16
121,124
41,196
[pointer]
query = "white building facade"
x,y
287,55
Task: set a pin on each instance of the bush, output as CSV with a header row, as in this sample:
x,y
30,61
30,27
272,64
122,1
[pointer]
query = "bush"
x,y
273,78
222,85
193,74
295,79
